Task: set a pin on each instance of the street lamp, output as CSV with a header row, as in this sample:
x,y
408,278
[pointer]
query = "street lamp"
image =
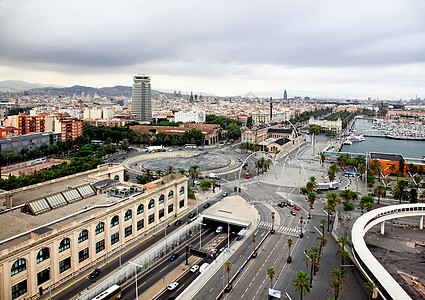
x,y
135,274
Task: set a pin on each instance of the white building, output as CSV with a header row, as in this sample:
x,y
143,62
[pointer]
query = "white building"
x,y
98,113
334,126
186,117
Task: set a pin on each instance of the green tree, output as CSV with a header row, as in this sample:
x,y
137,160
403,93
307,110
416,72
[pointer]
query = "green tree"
x,y
270,273
311,200
322,158
194,173
205,184
400,193
348,206
228,268
302,283
289,242
316,129
379,192
372,288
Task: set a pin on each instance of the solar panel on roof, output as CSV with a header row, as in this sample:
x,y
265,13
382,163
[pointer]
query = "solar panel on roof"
x,y
39,206
71,195
86,190
56,200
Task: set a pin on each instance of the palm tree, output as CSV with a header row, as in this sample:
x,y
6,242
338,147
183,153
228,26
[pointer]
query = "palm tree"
x,y
338,276
273,213
311,199
373,289
322,224
169,170
329,208
310,258
315,251
392,168
366,202
379,192
301,227
214,183
270,273
158,173
313,180
337,287
322,243
309,186
289,242
302,283
194,173
343,254
148,174
303,191
228,267
182,171
322,158
399,193
253,241
342,241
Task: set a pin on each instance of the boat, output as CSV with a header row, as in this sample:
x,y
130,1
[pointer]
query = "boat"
x,y
356,138
347,142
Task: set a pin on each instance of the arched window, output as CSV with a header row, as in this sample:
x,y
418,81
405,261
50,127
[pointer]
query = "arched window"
x,y
43,254
115,221
127,215
170,195
65,244
140,209
84,235
100,228
151,204
161,199
181,191
116,177
19,266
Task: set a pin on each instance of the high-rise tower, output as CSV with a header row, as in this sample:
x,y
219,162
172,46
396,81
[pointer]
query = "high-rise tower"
x,y
285,95
142,101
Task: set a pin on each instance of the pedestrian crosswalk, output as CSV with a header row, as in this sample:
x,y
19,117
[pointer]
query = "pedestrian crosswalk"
x,y
280,229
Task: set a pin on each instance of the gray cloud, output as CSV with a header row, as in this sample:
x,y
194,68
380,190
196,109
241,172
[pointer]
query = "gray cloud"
x,y
199,38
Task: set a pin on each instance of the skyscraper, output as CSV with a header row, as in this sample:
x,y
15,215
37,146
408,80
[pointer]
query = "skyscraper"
x,y
142,100
285,95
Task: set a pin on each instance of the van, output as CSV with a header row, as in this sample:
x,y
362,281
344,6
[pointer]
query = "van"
x,y
290,203
203,267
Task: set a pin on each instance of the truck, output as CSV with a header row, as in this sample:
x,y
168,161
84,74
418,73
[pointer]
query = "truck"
x,y
241,234
290,202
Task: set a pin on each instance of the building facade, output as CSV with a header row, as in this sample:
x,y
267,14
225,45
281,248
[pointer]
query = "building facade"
x,y
334,126
64,247
141,105
186,117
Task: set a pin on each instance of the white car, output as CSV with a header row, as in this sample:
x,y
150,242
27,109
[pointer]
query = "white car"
x,y
194,268
172,285
197,182
219,229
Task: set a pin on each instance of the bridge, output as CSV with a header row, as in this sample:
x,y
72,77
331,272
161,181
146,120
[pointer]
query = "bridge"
x,y
363,258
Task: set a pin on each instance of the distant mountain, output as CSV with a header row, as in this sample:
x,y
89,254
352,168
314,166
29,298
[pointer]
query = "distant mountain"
x,y
20,85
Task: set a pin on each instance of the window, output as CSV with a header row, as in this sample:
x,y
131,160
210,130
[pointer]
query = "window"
x,y
84,235
151,204
100,246
170,208
43,276
19,289
83,254
64,264
161,213
151,219
127,215
181,191
181,203
114,221
161,199
65,244
128,231
100,228
170,196
115,238
140,209
19,266
43,254
140,224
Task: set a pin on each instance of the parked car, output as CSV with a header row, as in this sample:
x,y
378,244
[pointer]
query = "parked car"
x,y
174,256
197,182
172,285
206,205
177,223
194,268
96,272
296,207
192,214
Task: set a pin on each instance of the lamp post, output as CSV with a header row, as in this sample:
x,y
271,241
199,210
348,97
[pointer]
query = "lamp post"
x,y
135,275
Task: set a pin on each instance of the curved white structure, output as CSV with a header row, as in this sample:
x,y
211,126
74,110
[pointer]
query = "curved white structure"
x,y
367,263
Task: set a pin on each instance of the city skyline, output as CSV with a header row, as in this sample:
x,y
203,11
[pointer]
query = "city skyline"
x,y
331,49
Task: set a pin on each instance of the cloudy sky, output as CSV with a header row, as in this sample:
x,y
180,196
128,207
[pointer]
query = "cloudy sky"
x,y
316,48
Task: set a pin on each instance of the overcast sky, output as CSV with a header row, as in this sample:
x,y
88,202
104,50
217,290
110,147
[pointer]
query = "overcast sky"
x,y
316,48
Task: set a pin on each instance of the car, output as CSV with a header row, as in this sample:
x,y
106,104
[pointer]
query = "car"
x,y
281,204
174,256
219,229
192,214
194,268
197,182
293,213
177,223
218,185
206,205
96,272
296,207
224,194
172,285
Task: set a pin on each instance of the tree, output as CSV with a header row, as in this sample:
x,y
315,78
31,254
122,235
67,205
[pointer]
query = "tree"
x,y
413,195
366,202
270,273
329,210
379,192
182,171
316,129
322,243
273,213
372,288
322,158
348,206
228,268
253,240
400,193
348,195
343,253
205,184
302,283
309,258
322,224
301,226
311,200
194,173
289,242
169,170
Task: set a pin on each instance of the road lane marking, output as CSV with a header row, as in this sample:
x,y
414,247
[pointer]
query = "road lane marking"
x,y
318,230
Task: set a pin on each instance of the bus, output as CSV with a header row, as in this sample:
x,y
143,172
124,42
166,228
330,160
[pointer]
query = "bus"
x,y
112,293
